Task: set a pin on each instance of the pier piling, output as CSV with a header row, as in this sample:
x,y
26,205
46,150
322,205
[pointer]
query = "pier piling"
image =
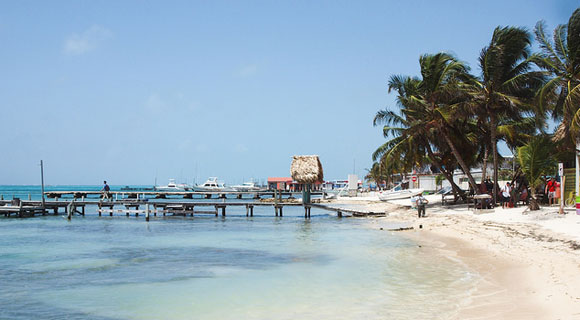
x,y
70,210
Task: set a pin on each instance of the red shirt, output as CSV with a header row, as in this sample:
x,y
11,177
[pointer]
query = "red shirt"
x,y
552,185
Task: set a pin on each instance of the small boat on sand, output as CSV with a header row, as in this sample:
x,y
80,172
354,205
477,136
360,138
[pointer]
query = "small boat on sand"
x,y
399,193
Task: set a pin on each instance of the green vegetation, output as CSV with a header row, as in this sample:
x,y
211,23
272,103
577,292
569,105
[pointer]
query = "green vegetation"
x,y
536,160
452,119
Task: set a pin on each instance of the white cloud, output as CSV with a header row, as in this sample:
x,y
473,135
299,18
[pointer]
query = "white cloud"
x,y
247,71
169,103
185,145
155,103
87,41
241,148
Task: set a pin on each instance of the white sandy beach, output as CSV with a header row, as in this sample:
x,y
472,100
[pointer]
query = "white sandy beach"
x,y
529,260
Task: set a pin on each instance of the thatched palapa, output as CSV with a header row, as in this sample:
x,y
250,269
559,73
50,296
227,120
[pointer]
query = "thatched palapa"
x,y
306,169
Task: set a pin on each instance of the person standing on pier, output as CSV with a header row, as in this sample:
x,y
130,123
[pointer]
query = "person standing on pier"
x,y
106,191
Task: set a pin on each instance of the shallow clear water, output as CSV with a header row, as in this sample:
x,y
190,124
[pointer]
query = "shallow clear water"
x,y
209,267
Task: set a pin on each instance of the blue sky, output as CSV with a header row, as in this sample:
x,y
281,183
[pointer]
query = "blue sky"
x,y
132,90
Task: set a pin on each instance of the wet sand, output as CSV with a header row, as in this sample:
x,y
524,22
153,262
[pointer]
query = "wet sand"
x,y
529,262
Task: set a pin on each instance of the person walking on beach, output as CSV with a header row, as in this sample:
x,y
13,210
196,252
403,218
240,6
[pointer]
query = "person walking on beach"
x,y
505,195
421,202
106,191
551,190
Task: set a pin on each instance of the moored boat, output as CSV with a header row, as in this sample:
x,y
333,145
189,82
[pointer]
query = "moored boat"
x,y
211,185
399,193
172,186
247,187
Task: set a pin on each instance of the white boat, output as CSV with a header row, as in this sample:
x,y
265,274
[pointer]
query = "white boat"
x,y
172,186
246,187
399,193
211,185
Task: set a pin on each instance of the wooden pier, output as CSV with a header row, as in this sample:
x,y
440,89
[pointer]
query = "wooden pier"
x,y
118,195
137,207
21,210
157,203
355,213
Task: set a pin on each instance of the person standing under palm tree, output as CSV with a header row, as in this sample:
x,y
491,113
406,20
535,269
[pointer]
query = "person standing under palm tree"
x,y
551,187
505,195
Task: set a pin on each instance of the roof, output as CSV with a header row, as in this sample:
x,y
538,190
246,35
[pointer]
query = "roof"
x,y
279,179
306,169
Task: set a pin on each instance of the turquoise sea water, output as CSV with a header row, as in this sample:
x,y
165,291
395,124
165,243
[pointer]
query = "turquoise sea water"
x,y
233,267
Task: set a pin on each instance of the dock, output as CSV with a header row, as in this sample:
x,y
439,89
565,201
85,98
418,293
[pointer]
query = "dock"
x,y
156,203
355,213
28,208
117,195
20,209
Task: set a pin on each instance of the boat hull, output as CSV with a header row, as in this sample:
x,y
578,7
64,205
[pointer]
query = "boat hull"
x,y
206,189
171,189
400,194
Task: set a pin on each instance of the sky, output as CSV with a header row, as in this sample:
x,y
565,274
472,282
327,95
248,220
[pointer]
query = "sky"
x,y
134,92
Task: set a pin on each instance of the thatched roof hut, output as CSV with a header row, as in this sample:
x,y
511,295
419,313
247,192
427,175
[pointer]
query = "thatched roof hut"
x,y
306,169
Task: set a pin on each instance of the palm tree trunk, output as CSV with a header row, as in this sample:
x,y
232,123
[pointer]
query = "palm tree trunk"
x,y
484,166
445,173
461,162
493,134
534,205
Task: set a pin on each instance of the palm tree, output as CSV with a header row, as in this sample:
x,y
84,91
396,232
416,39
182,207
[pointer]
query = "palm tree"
x,y
536,159
377,173
560,58
426,121
408,146
507,85
442,79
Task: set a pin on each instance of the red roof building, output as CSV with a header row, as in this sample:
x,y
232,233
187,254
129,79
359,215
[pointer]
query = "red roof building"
x,y
287,184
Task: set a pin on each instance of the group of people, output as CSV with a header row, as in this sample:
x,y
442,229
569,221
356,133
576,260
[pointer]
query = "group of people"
x,y
549,189
507,192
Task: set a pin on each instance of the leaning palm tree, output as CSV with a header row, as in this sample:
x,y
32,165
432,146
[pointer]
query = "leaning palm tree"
x,y
407,148
425,121
536,160
442,79
507,84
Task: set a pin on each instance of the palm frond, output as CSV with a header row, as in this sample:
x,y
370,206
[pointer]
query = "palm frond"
x,y
573,38
543,41
560,44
